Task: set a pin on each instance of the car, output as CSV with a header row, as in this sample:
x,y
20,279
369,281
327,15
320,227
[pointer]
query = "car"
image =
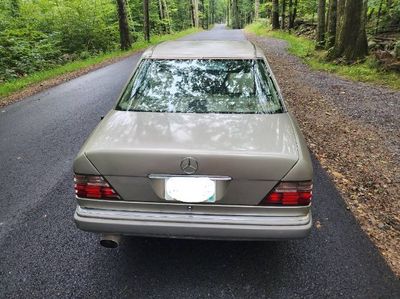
x,y
200,144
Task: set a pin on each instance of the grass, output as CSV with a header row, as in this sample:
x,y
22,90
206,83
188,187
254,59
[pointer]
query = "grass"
x,y
18,84
305,49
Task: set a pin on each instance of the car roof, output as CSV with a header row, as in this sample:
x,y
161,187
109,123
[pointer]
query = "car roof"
x,y
204,49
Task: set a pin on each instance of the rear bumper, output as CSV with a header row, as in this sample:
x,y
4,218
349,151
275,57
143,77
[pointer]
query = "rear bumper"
x,y
196,226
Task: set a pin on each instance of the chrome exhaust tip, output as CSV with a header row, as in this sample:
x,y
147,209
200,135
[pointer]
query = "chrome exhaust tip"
x,y
110,241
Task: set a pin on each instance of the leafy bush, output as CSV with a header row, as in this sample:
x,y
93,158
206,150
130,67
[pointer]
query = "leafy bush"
x,y
45,33
23,51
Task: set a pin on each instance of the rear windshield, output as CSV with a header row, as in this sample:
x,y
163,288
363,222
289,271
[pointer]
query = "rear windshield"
x,y
201,86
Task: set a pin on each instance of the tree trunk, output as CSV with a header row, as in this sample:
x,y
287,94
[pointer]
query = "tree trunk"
x,y
256,10
327,8
195,13
161,16
228,13
146,20
275,14
378,17
340,15
290,22
212,4
196,7
362,41
283,16
204,19
235,15
192,13
207,15
351,39
332,20
160,10
320,38
205,12
201,13
124,34
295,11
166,14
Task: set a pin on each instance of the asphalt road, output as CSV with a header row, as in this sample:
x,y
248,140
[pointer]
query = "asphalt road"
x,y
42,254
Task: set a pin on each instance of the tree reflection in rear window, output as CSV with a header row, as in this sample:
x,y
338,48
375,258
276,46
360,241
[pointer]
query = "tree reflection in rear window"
x,y
201,86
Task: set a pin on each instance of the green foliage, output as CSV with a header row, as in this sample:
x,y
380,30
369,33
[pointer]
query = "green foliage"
x,y
307,10
382,15
245,12
246,9
24,51
304,48
389,15
37,35
20,83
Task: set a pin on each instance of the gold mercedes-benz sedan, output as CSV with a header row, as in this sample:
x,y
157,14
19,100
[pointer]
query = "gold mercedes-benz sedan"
x,y
199,145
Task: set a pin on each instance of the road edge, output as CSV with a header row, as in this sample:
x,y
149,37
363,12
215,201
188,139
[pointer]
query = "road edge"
x,y
40,86
49,83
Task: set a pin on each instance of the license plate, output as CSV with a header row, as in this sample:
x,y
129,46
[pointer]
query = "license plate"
x,y
190,190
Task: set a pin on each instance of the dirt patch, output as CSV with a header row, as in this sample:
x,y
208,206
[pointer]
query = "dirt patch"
x,y
354,130
38,87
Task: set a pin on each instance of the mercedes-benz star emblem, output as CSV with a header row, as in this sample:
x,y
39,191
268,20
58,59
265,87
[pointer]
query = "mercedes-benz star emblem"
x,y
189,165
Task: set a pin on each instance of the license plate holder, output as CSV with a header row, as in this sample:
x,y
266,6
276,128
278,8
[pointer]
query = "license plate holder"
x,y
190,189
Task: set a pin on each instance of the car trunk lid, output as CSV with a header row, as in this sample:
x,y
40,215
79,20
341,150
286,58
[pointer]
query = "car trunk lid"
x,y
241,146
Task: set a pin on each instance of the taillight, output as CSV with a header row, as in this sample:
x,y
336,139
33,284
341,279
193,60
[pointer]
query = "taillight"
x,y
290,194
93,186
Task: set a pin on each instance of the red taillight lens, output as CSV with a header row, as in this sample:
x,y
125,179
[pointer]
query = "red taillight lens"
x,y
93,186
290,194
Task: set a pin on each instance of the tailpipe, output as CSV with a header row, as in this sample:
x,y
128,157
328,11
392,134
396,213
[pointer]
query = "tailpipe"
x,y
110,241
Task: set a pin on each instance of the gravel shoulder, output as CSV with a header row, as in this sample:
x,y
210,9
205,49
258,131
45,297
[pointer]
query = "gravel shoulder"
x,y
353,129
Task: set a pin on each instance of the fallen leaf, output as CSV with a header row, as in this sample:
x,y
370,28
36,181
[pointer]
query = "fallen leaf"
x,y
318,224
337,174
